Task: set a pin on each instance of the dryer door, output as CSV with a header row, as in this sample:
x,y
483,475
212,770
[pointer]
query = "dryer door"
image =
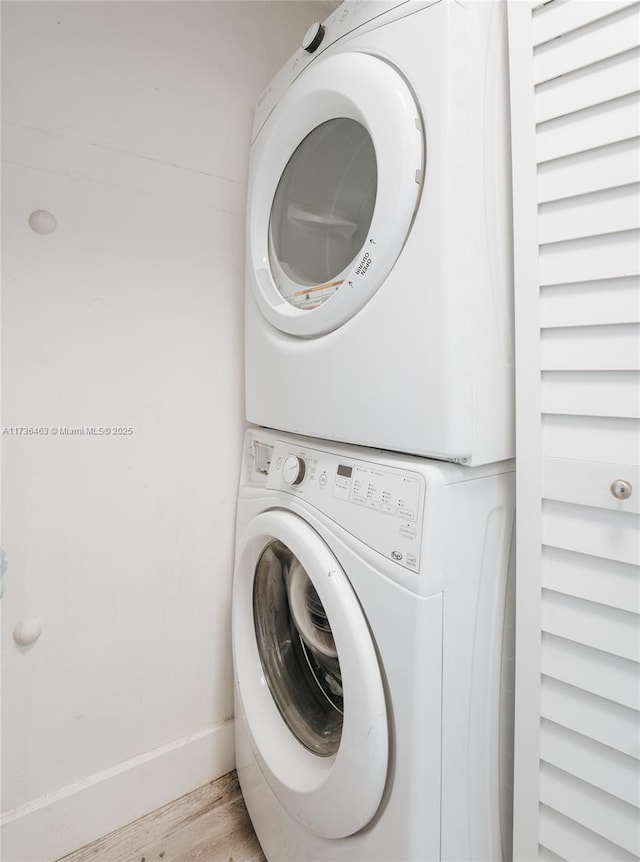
x,y
308,677
334,184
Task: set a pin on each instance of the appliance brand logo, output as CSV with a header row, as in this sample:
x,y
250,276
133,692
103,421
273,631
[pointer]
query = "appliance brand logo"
x,y
396,555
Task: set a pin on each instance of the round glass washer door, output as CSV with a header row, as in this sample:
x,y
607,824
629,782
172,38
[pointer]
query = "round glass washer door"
x,y
307,677
297,650
334,182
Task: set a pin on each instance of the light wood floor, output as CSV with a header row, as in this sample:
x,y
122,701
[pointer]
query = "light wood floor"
x,y
209,825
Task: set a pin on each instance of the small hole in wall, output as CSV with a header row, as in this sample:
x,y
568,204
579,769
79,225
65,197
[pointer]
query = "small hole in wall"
x,y
42,222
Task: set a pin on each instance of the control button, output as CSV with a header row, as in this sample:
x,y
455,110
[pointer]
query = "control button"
x,y
356,498
373,504
313,37
412,561
388,509
322,481
293,470
406,513
407,531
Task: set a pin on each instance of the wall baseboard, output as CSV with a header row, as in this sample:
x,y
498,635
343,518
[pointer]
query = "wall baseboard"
x,y
59,823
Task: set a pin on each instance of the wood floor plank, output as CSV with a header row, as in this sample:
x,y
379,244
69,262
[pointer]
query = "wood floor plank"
x,y
210,824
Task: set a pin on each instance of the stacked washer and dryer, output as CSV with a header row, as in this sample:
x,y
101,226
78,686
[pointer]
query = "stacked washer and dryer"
x,y
371,626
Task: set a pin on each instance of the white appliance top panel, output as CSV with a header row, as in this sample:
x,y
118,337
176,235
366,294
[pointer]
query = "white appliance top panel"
x,y
351,15
383,506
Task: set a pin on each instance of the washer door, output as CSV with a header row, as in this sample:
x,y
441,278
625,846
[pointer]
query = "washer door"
x,y
308,677
333,188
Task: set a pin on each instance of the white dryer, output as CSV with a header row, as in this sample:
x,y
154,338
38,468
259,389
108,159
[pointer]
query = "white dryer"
x,y
368,625
378,265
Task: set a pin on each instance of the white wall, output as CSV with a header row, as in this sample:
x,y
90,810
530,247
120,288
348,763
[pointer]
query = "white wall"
x,y
130,123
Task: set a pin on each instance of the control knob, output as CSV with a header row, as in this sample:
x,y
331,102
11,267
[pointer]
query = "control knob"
x,y
293,470
313,37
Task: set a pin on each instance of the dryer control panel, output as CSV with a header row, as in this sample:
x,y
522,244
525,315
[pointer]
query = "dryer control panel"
x,y
351,16
381,506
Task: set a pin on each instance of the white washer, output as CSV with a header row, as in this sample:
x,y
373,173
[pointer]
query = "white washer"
x,y
372,706
379,272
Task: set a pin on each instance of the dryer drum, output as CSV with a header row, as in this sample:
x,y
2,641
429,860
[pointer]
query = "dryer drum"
x,y
297,650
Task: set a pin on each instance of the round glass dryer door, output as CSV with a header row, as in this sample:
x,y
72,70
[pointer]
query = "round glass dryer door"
x,y
334,182
322,211
308,683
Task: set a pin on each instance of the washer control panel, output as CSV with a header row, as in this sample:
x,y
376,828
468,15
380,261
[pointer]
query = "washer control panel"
x,y
381,506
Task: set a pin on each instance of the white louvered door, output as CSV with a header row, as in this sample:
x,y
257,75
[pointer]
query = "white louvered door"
x,y
575,79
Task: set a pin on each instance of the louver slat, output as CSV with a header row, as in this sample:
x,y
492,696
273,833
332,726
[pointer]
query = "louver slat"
x,y
592,258
589,303
588,530
555,19
608,629
546,855
592,393
604,81
596,213
610,817
603,720
615,585
604,167
591,348
570,840
615,773
611,35
590,437
590,669
596,126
